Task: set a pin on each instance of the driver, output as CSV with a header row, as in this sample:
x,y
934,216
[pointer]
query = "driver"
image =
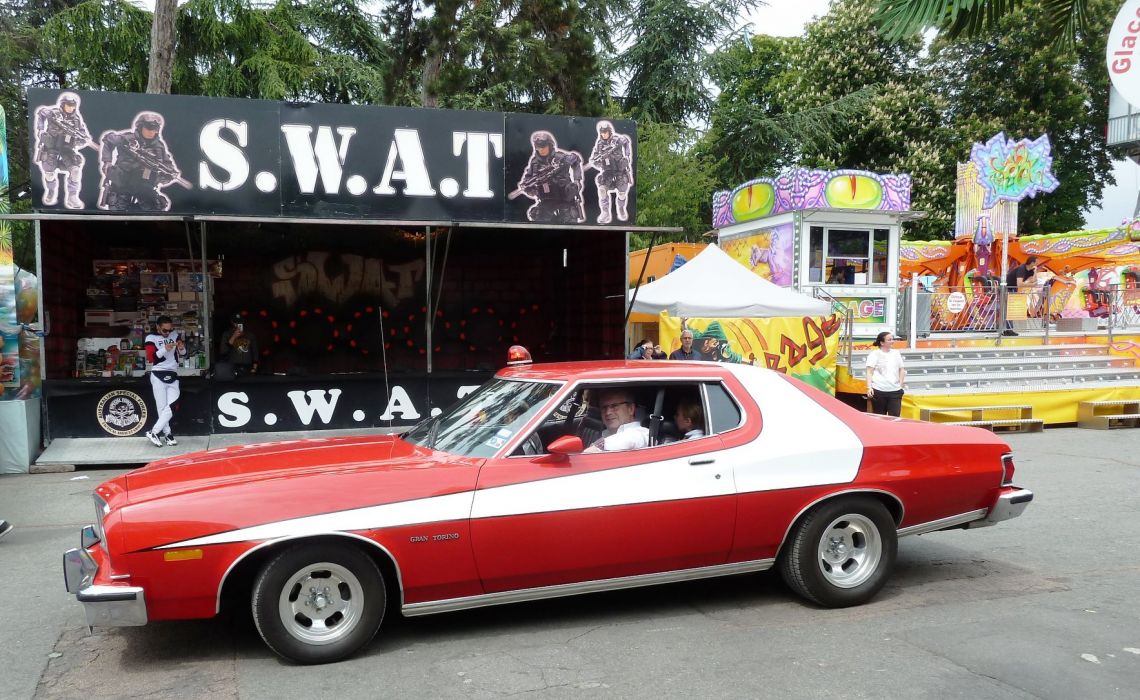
x,y
622,432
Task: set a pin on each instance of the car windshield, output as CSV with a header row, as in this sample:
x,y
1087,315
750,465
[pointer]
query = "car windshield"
x,y
485,420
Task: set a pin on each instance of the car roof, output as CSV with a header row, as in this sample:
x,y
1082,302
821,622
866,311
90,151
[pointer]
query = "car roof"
x,y
614,370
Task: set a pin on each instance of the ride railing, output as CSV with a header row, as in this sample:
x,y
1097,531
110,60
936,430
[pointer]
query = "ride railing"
x,y
953,310
1123,309
846,328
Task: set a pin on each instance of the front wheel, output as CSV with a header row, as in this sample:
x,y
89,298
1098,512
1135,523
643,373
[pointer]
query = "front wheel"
x,y
841,552
317,603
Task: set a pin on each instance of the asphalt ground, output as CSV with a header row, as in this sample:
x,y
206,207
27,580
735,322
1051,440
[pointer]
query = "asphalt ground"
x,y
1043,606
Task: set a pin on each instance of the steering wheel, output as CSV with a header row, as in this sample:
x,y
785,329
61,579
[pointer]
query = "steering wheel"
x,y
532,445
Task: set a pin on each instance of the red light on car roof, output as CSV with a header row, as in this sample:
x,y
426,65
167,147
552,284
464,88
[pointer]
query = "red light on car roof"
x,y
518,355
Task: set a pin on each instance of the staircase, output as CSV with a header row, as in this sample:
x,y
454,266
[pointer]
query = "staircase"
x,y
940,380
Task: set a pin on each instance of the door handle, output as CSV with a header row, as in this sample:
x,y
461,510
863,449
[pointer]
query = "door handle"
x,y
701,460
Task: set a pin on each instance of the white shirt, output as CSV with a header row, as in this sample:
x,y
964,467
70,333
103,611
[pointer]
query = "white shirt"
x,y
166,351
694,433
885,376
628,436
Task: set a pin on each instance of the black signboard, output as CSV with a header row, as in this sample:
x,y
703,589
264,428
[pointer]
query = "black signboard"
x,y
102,152
124,407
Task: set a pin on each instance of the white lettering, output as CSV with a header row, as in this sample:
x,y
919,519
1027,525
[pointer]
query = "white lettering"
x,y
465,390
479,147
234,413
406,146
315,403
324,157
400,402
223,154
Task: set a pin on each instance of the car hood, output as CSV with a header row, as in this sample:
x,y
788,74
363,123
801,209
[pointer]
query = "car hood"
x,y
265,463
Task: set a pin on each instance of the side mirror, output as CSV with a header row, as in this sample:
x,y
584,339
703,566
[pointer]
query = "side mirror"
x,y
561,449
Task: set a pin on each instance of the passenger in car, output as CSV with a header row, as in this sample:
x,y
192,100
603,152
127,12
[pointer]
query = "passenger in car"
x,y
623,432
690,419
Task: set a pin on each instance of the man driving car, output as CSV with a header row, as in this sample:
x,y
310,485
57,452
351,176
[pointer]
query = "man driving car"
x,y
623,432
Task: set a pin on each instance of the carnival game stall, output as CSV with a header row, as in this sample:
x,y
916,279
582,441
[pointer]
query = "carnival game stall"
x,y
833,233
377,261
737,316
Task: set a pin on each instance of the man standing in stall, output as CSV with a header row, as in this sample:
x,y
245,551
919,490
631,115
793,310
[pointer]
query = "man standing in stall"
x,y
163,350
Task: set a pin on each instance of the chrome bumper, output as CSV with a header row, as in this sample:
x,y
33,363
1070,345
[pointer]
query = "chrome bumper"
x,y
1009,505
105,606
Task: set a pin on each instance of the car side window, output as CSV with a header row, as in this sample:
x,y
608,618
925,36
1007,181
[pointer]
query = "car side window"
x,y
724,414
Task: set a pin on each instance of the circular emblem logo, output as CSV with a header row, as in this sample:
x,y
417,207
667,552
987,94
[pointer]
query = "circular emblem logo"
x,y
121,413
956,302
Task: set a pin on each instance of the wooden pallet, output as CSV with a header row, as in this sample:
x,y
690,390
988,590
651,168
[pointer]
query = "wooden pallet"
x,y
1012,425
977,413
1105,415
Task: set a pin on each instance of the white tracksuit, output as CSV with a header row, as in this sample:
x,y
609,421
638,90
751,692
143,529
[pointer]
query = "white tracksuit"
x,y
166,358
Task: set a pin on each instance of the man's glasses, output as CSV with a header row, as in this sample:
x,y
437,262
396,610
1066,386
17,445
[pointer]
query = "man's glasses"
x,y
613,406
164,331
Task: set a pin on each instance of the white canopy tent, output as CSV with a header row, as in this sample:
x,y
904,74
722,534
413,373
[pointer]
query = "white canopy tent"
x,y
713,285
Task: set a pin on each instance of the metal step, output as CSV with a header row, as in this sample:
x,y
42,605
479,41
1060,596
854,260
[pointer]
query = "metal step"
x,y
1002,364
1013,425
1006,352
983,380
1015,387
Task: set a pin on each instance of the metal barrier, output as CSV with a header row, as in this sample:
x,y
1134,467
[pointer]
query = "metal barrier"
x,y
847,329
1123,309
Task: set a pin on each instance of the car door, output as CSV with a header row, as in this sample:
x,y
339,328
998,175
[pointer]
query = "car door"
x,y
602,516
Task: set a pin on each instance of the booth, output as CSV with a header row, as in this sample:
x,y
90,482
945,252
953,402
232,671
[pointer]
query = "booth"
x,y
833,233
381,260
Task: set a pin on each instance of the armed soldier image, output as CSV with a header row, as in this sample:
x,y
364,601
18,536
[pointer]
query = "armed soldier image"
x,y
136,164
553,179
612,158
60,136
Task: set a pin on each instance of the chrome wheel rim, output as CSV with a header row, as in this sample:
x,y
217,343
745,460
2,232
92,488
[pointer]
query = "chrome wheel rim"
x,y
849,551
321,603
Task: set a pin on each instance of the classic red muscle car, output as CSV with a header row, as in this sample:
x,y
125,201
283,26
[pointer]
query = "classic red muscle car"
x,y
495,501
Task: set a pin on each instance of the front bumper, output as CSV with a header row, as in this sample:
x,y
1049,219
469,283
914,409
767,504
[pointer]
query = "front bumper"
x,y
111,605
1010,504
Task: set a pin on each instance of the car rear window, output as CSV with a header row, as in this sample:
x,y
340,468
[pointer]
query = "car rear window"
x,y
724,414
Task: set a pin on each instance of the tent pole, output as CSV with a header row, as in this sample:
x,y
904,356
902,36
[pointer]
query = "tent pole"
x,y
640,275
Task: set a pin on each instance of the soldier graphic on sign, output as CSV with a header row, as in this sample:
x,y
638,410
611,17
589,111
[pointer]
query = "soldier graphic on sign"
x,y
136,165
613,159
553,179
60,136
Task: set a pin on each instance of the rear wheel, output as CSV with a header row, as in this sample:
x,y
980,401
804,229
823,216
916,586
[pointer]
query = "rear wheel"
x,y
841,552
316,603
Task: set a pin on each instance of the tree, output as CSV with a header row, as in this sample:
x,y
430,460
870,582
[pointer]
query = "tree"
x,y
1062,21
162,47
674,184
843,96
1017,80
667,60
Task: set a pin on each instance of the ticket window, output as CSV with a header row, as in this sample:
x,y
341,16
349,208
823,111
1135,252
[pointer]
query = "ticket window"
x,y
848,256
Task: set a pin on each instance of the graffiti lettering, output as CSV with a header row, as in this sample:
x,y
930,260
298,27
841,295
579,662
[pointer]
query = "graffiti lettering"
x,y
307,274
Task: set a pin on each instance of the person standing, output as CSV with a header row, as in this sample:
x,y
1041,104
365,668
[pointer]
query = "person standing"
x,y
686,351
164,349
1017,280
642,351
239,347
885,376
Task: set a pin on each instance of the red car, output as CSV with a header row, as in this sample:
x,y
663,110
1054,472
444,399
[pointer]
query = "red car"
x,y
497,501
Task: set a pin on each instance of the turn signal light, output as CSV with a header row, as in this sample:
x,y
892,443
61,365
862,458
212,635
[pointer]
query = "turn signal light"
x,y
518,355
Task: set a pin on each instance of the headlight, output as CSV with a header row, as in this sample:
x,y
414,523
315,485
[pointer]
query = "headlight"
x,y
102,510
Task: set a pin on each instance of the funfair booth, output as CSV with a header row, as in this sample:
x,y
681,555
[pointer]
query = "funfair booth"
x,y
827,233
381,260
